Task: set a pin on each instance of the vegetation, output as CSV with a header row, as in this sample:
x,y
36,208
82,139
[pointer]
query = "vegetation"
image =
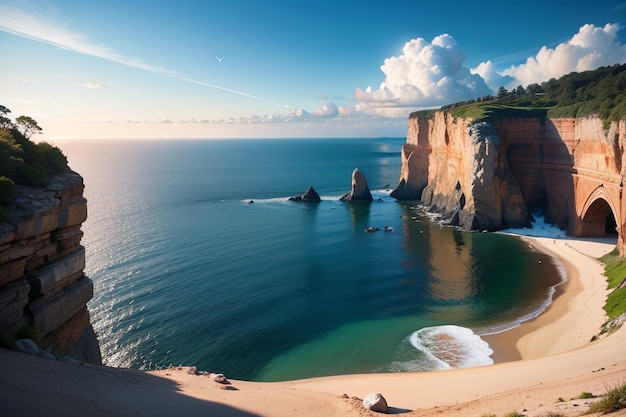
x,y
615,271
517,414
600,92
614,400
585,395
23,161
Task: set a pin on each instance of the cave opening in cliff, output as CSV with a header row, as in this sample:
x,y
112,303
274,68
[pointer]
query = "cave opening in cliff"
x,y
599,220
610,227
538,201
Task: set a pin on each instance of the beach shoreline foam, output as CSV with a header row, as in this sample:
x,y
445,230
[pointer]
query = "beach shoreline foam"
x,y
558,360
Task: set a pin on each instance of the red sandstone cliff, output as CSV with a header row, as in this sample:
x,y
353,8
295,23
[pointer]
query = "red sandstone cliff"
x,y
42,284
489,176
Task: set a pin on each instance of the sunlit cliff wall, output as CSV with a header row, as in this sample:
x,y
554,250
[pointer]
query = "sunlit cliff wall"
x,y
490,176
42,284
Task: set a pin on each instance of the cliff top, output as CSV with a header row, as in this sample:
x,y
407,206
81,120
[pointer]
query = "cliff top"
x,y
600,92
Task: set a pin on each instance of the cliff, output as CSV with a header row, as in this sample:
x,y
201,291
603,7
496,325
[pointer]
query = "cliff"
x,y
490,176
43,290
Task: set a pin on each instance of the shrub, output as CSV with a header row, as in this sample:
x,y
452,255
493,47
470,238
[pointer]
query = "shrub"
x,y
7,191
614,400
615,271
514,414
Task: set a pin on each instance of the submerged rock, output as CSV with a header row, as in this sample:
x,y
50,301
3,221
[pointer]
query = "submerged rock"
x,y
309,195
360,190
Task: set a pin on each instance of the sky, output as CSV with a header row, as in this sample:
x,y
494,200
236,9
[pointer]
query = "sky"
x,y
88,69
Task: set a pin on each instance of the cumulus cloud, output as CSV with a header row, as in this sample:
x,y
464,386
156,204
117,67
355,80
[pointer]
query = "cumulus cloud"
x,y
426,74
592,47
430,74
488,72
327,110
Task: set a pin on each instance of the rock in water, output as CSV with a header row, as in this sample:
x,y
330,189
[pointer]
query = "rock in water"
x,y
375,402
309,195
360,191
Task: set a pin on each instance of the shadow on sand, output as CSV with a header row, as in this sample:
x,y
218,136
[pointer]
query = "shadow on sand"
x,y
33,386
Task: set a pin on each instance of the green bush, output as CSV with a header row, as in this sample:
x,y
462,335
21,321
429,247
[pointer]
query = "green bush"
x,y
614,400
28,163
615,271
7,191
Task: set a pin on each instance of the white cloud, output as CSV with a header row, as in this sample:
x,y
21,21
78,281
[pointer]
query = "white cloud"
x,y
426,74
44,29
95,85
488,72
432,74
592,47
327,110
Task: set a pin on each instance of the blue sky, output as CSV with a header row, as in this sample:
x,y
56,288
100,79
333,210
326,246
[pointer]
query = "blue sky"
x,y
148,69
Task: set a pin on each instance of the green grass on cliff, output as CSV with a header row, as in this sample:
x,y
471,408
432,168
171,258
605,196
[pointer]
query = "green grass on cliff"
x,y
615,271
601,92
494,112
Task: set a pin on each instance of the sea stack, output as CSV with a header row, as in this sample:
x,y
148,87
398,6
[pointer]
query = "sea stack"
x,y
309,195
360,191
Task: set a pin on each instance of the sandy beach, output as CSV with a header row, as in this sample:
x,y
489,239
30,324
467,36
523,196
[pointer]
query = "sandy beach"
x,y
556,362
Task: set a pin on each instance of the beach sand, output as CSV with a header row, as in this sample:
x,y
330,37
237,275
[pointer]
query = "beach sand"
x,y
557,362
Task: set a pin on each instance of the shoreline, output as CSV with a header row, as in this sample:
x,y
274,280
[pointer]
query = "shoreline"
x,y
531,338
557,361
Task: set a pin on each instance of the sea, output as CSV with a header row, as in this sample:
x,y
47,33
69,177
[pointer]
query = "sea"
x,y
199,258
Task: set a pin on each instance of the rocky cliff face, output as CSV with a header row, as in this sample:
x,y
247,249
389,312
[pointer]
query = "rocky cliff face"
x,y
42,284
489,176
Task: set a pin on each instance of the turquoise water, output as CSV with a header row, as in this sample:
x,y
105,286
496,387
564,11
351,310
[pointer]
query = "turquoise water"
x,y
188,271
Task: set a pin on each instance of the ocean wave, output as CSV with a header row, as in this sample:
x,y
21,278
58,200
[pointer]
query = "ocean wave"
x,y
445,347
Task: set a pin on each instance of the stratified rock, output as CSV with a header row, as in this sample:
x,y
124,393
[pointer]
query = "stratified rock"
x,y
360,190
309,195
42,284
375,402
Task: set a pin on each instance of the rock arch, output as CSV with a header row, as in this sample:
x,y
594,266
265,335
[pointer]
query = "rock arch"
x,y
599,214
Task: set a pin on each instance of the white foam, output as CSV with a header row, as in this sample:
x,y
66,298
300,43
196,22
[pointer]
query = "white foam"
x,y
376,194
450,346
539,228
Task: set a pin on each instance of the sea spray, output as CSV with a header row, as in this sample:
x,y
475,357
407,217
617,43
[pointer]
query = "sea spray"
x,y
445,347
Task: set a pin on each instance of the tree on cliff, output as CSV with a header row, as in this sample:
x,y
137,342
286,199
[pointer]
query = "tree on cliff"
x,y
5,122
27,126
23,161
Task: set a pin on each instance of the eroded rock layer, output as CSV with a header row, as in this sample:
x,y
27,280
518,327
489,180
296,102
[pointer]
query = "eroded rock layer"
x,y
42,284
490,176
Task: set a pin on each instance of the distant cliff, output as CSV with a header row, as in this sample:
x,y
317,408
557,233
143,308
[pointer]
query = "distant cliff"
x,y
43,290
494,175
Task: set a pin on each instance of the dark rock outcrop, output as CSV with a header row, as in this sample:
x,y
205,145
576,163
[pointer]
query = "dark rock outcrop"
x,y
360,190
309,195
42,284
